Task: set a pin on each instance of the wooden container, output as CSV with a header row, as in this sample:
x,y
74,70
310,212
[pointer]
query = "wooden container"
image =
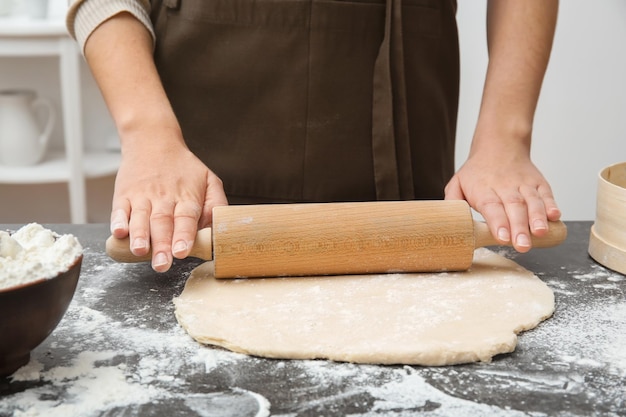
x,y
607,240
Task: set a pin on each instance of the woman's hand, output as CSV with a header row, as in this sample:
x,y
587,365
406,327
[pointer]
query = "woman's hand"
x,y
163,193
509,192
161,198
498,179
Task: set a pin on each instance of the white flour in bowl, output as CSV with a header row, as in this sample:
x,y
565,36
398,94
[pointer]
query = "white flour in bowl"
x,y
33,253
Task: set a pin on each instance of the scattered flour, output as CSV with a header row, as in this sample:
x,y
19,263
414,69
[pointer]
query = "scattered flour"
x,y
88,388
121,370
592,331
33,253
412,391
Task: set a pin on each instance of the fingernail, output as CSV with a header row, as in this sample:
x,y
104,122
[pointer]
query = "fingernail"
x,y
159,260
522,240
503,234
139,244
539,225
180,247
117,226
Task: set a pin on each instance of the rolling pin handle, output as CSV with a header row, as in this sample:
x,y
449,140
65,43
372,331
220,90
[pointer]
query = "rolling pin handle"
x,y
203,245
557,233
119,249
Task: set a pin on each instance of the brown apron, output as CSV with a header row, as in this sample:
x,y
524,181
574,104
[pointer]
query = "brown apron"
x,y
315,100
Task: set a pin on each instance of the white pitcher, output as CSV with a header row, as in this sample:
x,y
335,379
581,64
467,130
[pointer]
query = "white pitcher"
x,y
22,141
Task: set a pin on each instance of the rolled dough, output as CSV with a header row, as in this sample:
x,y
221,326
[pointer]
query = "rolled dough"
x,y
420,319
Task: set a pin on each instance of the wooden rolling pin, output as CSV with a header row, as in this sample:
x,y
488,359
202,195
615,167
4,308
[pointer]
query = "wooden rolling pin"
x,y
340,238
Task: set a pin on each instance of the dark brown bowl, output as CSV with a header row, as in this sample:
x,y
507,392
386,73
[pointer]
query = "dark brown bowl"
x,y
30,312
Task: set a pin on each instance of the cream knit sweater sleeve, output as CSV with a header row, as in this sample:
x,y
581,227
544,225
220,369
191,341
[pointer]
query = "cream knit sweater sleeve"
x,y
84,16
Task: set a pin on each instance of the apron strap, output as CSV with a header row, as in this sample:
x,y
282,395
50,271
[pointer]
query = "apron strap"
x,y
390,133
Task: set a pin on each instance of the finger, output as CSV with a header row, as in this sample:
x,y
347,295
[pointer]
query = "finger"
x,y
119,220
139,228
553,212
214,197
492,209
517,213
537,218
453,190
186,215
161,232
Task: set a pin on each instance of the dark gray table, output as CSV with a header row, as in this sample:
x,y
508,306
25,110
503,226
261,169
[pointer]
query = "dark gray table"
x,y
120,352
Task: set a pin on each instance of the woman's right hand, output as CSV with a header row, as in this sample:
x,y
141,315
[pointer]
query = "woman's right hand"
x,y
162,197
163,192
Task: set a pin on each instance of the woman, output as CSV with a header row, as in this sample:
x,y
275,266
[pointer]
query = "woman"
x,y
311,100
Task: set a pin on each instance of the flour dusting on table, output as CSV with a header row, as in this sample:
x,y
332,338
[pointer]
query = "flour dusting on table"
x,y
594,332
